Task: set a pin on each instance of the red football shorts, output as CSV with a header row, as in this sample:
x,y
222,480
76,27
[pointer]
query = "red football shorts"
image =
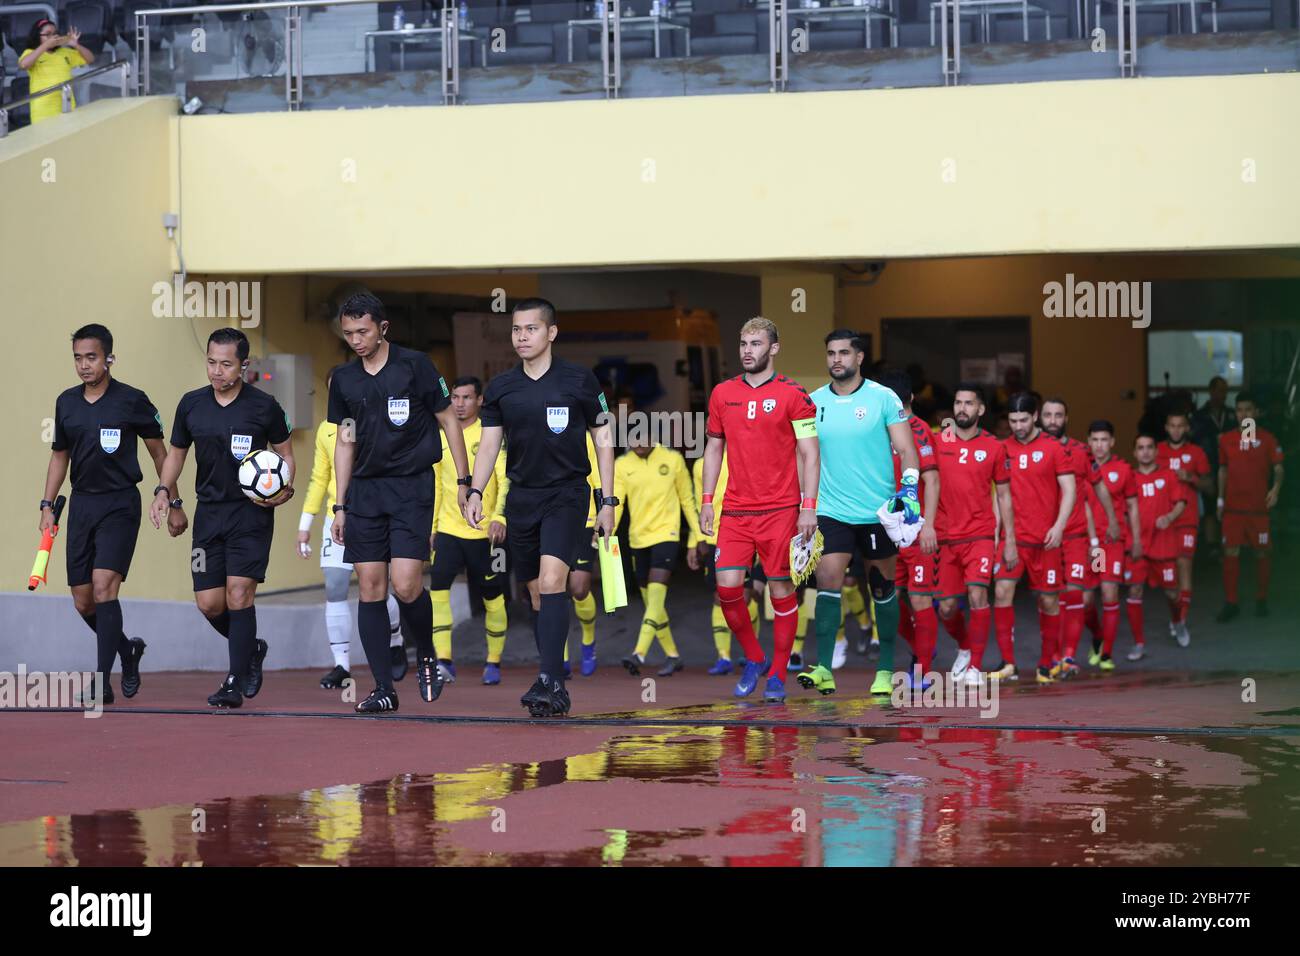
x,y
1042,565
1076,559
1245,530
1152,573
917,572
740,536
965,564
1186,536
1114,558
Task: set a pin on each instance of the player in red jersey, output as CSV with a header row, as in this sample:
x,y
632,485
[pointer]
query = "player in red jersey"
x,y
970,462
1189,462
761,420
1159,502
1042,494
916,574
1247,459
1109,559
1081,534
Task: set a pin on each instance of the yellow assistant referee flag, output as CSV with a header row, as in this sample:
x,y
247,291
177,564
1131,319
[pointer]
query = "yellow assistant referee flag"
x,y
612,584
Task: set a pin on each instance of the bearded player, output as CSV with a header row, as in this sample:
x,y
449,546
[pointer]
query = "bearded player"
x,y
766,424
1191,466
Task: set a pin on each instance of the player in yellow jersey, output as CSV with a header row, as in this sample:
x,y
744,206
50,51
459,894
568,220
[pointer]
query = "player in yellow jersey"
x,y
584,603
338,575
457,546
700,549
652,483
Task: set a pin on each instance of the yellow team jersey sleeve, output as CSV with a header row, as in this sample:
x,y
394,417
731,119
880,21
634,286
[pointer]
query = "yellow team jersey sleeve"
x,y
685,498
593,481
697,472
320,488
621,475
446,513
498,510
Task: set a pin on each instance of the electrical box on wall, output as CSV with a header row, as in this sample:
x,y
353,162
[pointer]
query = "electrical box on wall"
x,y
288,378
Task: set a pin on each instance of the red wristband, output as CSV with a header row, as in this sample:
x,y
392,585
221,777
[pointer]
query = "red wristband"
x,y
705,499
809,504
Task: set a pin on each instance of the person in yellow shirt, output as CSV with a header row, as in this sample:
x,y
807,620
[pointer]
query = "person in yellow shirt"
x,y
457,546
338,573
49,60
652,483
584,603
700,550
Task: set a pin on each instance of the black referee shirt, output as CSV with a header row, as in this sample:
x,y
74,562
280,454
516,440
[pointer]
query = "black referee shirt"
x,y
545,422
223,436
100,437
396,433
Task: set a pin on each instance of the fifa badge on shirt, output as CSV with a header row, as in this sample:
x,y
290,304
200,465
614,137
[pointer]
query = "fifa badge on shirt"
x,y
110,439
399,410
557,418
768,405
240,446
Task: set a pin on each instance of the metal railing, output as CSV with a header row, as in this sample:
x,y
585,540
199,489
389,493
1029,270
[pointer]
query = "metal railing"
x,y
66,89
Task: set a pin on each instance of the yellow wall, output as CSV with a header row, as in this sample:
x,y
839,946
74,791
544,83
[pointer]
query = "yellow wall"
x,y
1151,164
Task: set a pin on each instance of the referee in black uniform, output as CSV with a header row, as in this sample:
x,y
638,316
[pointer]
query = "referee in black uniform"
x,y
96,426
226,423
385,406
545,406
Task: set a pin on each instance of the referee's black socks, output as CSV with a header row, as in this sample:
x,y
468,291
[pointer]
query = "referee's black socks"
x,y
418,618
243,639
220,623
372,624
108,635
552,633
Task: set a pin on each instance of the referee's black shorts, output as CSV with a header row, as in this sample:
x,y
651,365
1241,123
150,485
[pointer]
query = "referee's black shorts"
x,y
871,540
662,556
102,529
452,554
232,539
388,518
546,521
586,558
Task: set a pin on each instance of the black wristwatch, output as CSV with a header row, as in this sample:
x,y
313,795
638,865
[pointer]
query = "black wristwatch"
x,y
467,481
158,488
473,491
337,508
46,503
612,502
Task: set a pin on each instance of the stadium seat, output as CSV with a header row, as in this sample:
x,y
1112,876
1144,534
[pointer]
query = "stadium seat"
x,y
93,18
156,31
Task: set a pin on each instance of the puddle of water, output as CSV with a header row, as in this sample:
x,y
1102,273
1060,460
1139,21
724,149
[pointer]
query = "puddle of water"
x,y
745,796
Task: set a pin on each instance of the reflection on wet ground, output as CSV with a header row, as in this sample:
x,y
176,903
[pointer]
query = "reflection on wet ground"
x,y
745,796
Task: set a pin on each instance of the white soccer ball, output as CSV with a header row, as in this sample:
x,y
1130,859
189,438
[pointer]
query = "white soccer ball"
x,y
263,475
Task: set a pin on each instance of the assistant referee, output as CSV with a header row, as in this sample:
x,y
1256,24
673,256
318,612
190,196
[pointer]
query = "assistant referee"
x,y
544,407
388,407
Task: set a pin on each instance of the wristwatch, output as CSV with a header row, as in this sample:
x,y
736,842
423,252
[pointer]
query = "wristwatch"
x,y
158,488
467,481
473,491
46,503
175,502
337,508
611,502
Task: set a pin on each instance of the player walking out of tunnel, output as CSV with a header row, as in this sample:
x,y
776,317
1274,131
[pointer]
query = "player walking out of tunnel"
x,y
96,428
1082,535
1116,475
231,545
917,567
388,408
582,572
337,572
1248,458
545,408
457,546
1042,495
652,483
1191,466
1160,502
970,462
766,425
861,425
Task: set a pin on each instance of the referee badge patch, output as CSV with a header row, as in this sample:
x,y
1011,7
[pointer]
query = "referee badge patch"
x,y
399,410
240,446
557,418
110,439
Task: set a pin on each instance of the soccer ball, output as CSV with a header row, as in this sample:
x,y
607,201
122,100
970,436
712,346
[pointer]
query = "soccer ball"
x,y
263,475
